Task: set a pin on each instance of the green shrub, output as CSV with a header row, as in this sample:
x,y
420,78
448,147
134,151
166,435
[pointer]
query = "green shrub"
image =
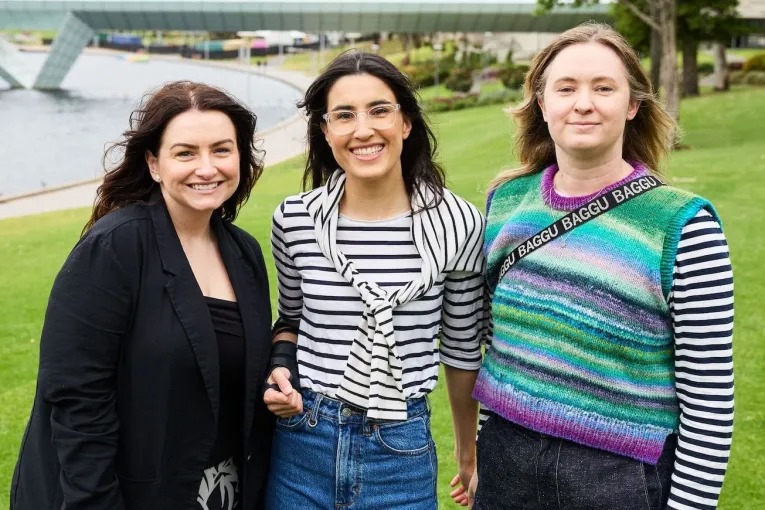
x,y
472,60
499,97
423,74
747,78
436,106
755,63
468,101
736,77
705,68
755,78
512,77
448,58
462,101
460,79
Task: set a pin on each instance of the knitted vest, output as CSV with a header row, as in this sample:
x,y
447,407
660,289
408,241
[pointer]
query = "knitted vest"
x,y
582,344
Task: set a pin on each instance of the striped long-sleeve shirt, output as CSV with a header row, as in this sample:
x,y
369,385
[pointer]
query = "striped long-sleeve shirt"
x,y
327,309
702,313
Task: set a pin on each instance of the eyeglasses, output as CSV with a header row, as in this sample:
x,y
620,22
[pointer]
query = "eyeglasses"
x,y
343,122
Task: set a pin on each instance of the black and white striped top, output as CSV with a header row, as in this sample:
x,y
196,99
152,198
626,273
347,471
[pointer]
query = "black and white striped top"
x,y
701,303
327,308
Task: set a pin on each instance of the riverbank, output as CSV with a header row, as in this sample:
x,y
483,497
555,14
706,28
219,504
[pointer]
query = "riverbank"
x,y
280,142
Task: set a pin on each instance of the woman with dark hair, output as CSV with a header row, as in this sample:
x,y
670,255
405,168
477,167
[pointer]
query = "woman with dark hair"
x,y
609,378
156,337
375,263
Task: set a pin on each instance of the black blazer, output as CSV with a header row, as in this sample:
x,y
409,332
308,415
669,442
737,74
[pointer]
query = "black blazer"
x,y
125,412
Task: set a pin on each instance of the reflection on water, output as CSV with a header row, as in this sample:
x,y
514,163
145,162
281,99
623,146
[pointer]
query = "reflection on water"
x,y
49,138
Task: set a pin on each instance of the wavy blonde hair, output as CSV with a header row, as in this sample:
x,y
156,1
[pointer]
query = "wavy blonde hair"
x,y
648,137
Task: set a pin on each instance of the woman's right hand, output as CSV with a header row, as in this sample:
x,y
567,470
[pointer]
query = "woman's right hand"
x,y
286,401
471,489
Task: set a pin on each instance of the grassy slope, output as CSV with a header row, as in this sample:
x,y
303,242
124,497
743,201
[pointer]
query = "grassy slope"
x,y
726,163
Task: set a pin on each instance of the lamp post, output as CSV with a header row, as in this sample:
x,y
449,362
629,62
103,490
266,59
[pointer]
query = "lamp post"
x,y
437,47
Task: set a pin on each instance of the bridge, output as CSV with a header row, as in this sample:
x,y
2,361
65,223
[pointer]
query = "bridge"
x,y
77,21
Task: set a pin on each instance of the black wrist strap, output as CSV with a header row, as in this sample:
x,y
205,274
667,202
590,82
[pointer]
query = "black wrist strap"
x,y
283,325
284,354
580,216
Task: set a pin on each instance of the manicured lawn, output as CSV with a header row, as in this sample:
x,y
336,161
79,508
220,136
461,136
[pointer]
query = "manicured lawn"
x,y
740,53
725,162
390,49
491,86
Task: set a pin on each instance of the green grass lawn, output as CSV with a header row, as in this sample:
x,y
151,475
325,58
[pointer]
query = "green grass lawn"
x,y
738,53
725,162
392,49
312,61
490,86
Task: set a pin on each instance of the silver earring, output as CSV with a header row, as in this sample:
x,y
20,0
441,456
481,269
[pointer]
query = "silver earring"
x,y
157,178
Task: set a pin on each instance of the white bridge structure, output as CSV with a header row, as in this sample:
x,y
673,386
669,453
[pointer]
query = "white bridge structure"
x,y
76,22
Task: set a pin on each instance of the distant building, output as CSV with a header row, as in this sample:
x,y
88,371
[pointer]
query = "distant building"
x,y
285,38
754,12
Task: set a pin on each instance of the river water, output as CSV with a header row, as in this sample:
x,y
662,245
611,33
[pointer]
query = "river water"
x,y
53,138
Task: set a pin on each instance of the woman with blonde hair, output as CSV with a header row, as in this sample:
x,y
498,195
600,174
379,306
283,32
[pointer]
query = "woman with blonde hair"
x,y
608,381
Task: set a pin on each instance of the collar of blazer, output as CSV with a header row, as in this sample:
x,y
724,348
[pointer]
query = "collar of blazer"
x,y
173,259
248,277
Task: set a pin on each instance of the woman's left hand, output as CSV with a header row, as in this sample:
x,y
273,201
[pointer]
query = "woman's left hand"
x,y
286,401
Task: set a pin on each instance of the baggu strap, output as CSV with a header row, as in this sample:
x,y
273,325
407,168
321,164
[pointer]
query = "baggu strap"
x,y
580,216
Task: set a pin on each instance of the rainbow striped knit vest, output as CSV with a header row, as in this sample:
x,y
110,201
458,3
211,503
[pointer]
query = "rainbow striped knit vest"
x,y
582,344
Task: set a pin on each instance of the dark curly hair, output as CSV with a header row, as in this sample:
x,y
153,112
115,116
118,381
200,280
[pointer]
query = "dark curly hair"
x,y
129,181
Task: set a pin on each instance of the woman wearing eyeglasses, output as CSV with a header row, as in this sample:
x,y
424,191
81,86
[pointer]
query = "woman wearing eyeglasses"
x,y
374,263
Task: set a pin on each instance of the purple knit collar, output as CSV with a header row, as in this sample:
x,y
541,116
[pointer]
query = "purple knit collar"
x,y
556,201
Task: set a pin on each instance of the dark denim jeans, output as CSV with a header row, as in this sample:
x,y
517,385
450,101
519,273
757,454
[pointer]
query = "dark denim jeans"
x,y
520,468
333,457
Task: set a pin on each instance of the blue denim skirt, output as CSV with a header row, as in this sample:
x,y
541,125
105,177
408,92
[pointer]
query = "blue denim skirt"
x,y
522,469
332,456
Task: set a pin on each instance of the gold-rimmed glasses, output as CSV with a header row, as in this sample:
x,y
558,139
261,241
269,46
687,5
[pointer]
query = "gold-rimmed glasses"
x,y
343,122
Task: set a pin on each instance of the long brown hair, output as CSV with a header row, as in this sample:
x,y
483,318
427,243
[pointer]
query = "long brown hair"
x,y
648,137
129,181
418,156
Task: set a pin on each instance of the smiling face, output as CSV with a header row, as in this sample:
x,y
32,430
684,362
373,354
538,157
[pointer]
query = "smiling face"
x,y
586,103
367,155
197,165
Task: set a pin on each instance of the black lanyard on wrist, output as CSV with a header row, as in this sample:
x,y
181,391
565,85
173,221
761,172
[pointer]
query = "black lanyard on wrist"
x,y
580,216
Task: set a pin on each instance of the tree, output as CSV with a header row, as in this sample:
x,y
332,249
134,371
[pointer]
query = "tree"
x,y
721,79
661,16
642,37
697,21
707,20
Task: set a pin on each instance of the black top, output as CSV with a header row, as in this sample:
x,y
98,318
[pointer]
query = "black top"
x,y
228,329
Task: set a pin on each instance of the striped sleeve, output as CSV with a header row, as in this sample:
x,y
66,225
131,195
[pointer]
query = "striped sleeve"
x,y
701,303
462,320
290,304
